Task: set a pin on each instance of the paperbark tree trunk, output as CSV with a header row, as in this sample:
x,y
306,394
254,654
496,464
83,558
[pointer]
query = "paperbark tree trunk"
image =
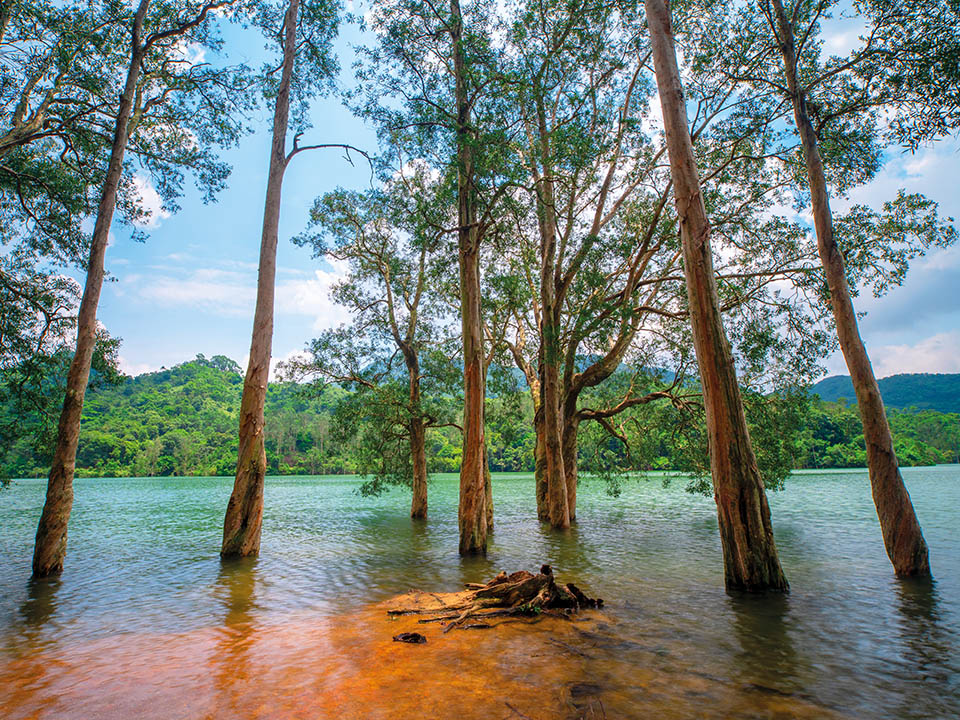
x,y
51,541
749,553
472,508
550,351
902,535
570,428
540,457
244,516
418,452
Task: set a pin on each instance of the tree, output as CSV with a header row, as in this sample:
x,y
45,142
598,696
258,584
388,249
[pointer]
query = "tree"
x,y
153,74
592,194
307,65
749,551
428,85
898,65
392,242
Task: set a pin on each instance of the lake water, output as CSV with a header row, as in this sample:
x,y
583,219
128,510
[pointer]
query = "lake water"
x,y
145,621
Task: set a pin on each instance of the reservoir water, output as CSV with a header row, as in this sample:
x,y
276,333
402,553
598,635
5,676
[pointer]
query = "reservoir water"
x,y
145,620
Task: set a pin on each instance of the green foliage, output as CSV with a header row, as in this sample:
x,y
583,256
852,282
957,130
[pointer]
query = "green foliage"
x,y
182,421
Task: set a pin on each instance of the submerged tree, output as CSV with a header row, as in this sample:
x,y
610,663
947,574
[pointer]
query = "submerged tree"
x,y
429,87
305,37
393,245
166,104
906,68
749,551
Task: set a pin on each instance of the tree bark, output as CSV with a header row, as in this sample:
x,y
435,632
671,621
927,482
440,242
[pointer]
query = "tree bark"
x,y
244,516
569,430
51,541
418,452
749,552
472,508
902,535
540,456
550,351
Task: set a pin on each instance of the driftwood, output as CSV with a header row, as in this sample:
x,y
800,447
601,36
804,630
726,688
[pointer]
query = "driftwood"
x,y
520,593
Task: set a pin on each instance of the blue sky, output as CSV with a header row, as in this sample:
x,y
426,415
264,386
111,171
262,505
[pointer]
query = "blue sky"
x,y
191,287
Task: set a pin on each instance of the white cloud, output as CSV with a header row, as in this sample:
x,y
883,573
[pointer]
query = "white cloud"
x,y
233,293
938,353
311,297
276,360
150,201
134,368
219,291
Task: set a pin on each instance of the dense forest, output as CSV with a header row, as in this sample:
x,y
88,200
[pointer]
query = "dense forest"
x,y
182,421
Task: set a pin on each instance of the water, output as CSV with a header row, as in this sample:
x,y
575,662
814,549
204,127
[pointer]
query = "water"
x,y
143,577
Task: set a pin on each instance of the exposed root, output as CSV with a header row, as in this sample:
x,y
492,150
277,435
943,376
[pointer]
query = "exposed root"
x,y
518,594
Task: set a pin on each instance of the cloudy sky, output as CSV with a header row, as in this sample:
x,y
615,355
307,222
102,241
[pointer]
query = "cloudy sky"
x,y
191,287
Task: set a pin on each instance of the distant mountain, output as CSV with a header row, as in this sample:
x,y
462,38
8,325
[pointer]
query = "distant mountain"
x,y
924,391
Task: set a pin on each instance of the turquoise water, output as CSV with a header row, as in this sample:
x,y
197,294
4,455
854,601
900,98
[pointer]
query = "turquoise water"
x,y
143,557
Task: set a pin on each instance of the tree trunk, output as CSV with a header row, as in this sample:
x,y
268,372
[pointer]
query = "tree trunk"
x,y
540,458
472,509
418,452
749,552
51,540
244,517
550,352
902,535
571,426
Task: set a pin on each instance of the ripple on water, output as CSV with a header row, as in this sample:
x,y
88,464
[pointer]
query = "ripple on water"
x,y
143,572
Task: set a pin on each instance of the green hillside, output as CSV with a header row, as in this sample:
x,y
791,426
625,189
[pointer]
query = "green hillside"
x,y
182,421
923,391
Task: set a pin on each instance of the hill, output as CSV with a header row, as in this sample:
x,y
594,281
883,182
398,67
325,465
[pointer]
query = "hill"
x,y
924,391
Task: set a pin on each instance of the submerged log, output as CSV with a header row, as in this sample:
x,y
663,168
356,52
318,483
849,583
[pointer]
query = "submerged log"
x,y
520,593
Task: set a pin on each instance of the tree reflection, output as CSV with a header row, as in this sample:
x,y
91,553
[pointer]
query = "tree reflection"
x,y
236,588
929,650
767,660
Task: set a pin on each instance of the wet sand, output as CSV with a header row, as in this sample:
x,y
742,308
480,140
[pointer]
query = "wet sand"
x,y
348,666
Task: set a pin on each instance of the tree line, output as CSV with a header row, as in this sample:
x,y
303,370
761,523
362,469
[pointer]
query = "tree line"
x,y
624,226
181,422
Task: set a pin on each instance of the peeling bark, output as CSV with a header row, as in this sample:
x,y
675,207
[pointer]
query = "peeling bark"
x,y
902,536
750,555
244,516
472,519
51,540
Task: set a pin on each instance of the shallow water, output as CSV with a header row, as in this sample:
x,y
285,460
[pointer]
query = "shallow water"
x,y
146,622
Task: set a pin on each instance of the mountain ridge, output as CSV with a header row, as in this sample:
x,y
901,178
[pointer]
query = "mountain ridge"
x,y
923,391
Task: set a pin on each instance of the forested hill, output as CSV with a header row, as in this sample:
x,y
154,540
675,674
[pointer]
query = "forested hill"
x,y
923,391
182,421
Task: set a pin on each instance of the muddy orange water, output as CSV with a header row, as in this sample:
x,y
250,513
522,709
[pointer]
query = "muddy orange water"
x,y
145,621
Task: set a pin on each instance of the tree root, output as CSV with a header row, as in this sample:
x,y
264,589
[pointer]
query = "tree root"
x,y
518,594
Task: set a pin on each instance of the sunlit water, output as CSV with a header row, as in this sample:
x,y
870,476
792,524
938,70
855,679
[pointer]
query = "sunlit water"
x,y
129,628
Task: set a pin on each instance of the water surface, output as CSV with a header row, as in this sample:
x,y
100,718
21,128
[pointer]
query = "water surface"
x,y
144,597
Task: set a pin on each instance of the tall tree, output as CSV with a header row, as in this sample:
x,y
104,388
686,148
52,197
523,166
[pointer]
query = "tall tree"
x,y
750,556
594,197
307,64
904,67
392,243
154,72
433,62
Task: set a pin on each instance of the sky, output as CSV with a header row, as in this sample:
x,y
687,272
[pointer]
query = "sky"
x,y
190,288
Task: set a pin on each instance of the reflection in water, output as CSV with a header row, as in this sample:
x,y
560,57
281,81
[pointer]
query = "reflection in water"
x,y
767,660
927,653
39,607
236,588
